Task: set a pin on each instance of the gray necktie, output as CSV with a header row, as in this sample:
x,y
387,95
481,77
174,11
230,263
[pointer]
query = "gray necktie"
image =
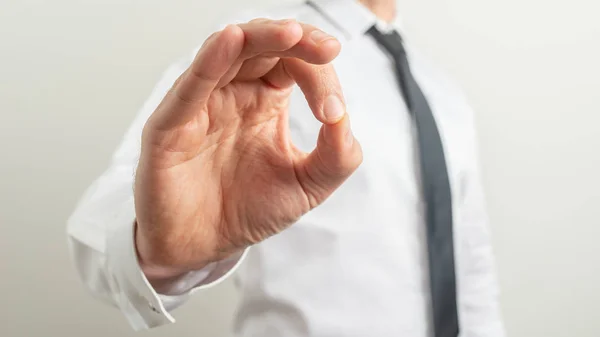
x,y
436,191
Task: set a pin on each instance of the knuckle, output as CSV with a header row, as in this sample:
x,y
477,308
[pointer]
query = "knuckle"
x,y
357,160
210,38
259,20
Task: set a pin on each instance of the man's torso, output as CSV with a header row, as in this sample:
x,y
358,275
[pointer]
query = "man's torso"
x,y
356,265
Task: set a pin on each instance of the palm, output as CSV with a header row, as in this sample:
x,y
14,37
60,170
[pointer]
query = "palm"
x,y
245,158
221,174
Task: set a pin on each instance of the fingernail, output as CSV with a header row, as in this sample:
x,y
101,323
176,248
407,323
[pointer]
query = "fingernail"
x,y
333,108
318,36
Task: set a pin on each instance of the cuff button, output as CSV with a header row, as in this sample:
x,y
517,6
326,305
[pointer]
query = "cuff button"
x,y
153,308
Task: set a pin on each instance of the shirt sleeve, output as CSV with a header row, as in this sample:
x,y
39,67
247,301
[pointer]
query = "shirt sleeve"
x,y
100,235
478,285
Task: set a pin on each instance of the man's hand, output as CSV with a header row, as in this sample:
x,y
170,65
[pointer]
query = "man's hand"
x,y
218,171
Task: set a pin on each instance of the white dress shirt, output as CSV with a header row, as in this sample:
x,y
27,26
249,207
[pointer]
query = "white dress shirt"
x,y
355,266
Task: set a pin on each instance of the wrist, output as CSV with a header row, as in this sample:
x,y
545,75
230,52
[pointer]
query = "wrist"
x,y
157,273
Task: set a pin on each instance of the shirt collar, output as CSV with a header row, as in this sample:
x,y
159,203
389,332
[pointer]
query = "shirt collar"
x,y
350,16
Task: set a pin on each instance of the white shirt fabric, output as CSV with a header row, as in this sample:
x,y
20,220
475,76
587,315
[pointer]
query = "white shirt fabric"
x,y
355,266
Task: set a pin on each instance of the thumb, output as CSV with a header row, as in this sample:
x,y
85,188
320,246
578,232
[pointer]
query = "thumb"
x,y
337,155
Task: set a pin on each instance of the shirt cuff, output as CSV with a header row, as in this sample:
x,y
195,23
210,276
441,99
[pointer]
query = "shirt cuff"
x,y
143,307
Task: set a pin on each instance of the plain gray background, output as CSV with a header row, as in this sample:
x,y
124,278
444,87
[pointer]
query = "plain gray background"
x,y
73,74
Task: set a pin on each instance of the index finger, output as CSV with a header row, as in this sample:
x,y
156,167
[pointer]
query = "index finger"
x,y
221,56
212,61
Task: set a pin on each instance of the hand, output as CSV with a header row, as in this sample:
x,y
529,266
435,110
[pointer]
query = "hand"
x,y
218,171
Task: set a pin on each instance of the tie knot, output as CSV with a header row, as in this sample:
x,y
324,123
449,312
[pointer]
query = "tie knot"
x,y
391,41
